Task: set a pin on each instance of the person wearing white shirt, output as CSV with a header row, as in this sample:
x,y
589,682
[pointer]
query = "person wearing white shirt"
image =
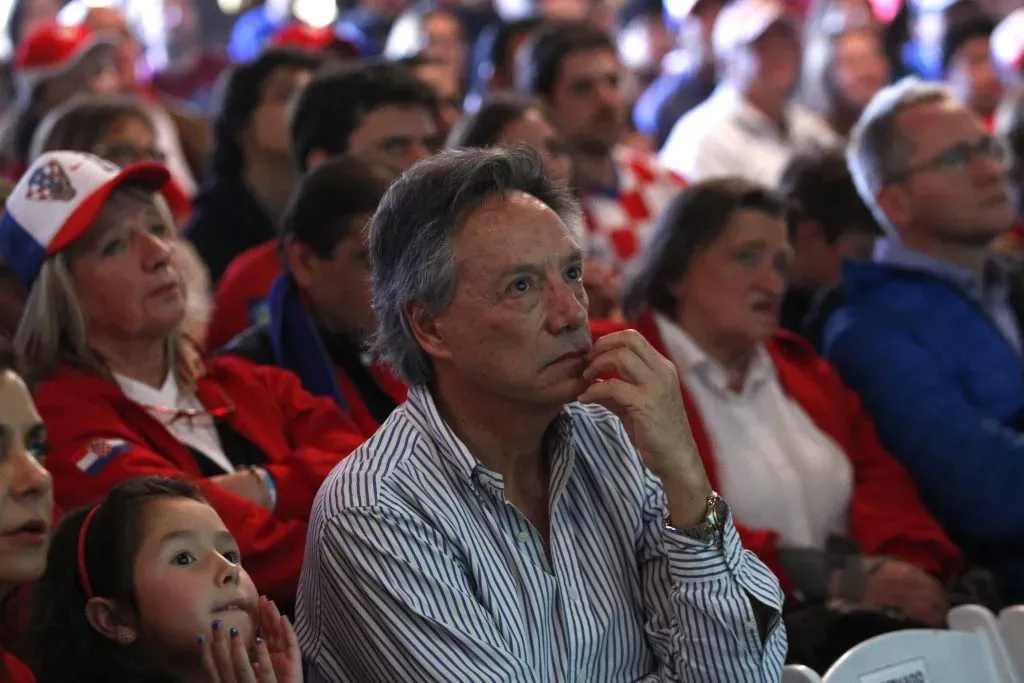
x,y
780,435
749,127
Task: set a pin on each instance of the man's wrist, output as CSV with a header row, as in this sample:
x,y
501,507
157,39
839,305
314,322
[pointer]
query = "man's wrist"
x,y
687,498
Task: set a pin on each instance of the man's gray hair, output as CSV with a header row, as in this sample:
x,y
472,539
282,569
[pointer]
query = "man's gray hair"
x,y
878,150
412,234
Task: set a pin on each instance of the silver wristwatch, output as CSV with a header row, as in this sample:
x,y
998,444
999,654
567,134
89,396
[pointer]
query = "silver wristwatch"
x,y
714,520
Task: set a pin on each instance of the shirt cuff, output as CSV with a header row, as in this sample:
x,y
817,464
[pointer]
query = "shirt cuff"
x,y
692,561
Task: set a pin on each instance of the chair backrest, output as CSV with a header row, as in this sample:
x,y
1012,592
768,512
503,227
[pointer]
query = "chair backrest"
x,y
918,656
1011,626
980,620
799,673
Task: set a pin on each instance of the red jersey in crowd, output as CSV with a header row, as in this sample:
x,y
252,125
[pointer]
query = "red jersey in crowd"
x,y
618,217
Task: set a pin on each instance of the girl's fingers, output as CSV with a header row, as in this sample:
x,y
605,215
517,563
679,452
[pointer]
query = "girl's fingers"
x,y
240,658
206,656
222,654
264,667
291,639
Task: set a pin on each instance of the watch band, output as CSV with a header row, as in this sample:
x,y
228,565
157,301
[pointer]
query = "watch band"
x,y
710,529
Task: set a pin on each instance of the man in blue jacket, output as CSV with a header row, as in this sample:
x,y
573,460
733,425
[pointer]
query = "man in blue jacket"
x,y
929,332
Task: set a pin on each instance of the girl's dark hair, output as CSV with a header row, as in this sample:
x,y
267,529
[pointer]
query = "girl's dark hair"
x,y
67,648
484,127
81,124
240,93
691,223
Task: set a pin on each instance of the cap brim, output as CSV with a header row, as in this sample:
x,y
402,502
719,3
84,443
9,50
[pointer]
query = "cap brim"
x,y
31,78
148,175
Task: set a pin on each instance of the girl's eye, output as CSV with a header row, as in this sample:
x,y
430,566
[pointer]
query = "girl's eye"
x,y
574,273
183,559
747,257
112,247
159,230
233,556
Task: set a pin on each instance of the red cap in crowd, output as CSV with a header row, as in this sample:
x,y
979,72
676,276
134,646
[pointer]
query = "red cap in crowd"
x,y
305,37
52,49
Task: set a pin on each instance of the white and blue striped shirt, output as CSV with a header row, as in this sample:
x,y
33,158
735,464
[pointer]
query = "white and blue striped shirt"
x,y
418,569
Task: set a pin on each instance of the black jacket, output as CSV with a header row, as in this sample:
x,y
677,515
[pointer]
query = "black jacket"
x,y
226,221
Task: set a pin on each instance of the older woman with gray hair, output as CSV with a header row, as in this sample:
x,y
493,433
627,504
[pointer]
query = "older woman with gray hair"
x,y
497,527
125,394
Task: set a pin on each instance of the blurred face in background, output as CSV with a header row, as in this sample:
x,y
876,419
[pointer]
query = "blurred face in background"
x,y
859,68
586,103
445,44
128,49
733,290
395,137
775,60
129,140
267,133
446,83
973,76
533,130
94,74
953,189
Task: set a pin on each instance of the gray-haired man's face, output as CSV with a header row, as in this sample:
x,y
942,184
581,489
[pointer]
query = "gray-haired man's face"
x,y
517,328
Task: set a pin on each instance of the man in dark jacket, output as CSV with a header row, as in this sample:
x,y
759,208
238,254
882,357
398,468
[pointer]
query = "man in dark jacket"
x,y
318,311
252,170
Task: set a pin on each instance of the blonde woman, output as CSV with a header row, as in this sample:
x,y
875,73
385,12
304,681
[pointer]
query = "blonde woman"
x,y
121,388
120,129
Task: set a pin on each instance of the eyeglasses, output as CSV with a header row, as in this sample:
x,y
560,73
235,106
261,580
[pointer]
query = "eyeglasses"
x,y
125,154
958,158
194,417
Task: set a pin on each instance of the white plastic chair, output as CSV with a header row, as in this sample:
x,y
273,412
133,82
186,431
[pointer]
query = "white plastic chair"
x,y
980,620
797,673
921,656
1011,626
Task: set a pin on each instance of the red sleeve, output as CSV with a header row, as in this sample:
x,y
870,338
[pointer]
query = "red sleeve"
x,y
272,548
887,516
320,434
13,671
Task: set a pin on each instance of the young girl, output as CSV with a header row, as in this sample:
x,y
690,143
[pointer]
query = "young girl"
x,y
26,507
148,587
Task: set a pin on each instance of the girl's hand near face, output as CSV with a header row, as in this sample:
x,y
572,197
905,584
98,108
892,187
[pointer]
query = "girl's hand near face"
x,y
274,659
280,642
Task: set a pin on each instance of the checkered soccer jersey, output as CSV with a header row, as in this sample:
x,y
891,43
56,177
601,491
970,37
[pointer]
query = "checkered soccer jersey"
x,y
618,221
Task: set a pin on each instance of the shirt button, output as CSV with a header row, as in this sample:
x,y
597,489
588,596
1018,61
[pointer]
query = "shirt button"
x,y
752,625
574,595
523,536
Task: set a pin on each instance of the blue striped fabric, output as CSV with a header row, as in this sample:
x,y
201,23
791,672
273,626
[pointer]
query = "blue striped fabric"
x,y
417,569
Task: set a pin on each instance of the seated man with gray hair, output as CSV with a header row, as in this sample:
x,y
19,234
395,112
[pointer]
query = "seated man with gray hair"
x,y
930,332
537,510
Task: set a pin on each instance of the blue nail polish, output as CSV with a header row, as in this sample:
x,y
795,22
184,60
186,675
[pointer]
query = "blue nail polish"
x,y
201,640
233,632
217,625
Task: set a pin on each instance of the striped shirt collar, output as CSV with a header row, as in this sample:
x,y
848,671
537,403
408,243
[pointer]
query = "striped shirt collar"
x,y
423,412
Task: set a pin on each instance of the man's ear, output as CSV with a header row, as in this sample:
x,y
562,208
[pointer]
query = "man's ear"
x,y
301,262
110,620
807,230
894,201
429,332
315,158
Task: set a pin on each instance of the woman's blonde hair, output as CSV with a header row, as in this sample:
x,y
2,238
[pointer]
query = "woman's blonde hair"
x,y
54,332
